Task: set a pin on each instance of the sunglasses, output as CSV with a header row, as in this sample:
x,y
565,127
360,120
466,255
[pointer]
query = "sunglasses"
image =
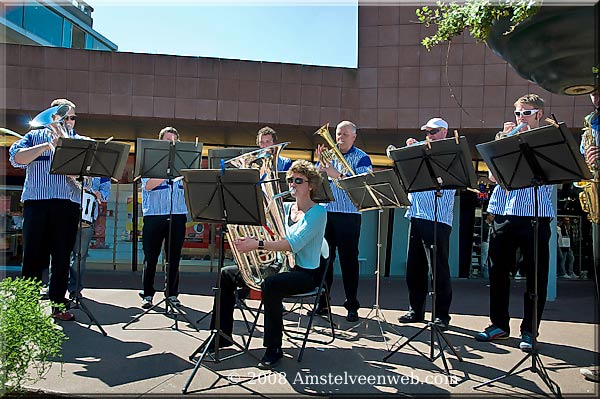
x,y
71,117
526,112
296,180
432,131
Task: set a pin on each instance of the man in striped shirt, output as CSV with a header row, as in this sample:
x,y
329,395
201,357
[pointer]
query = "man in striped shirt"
x,y
156,207
517,231
267,137
50,208
422,222
343,219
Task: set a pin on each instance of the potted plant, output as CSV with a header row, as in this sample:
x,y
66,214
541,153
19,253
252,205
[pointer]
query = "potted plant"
x,y
553,46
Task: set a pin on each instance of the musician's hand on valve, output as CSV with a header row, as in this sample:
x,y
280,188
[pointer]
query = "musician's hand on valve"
x,y
411,141
246,244
508,126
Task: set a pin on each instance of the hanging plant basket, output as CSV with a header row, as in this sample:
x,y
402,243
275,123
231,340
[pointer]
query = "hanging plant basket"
x,y
557,48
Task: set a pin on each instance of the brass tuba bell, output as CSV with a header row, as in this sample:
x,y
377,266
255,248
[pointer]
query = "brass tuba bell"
x,y
257,265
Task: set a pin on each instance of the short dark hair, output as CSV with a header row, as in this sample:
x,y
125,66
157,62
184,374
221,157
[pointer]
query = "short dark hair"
x,y
168,129
531,99
266,131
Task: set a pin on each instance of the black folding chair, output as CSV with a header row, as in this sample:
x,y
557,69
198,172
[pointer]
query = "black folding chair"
x,y
302,303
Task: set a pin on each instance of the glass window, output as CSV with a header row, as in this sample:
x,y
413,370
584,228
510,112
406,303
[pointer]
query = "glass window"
x,y
98,45
14,14
44,23
67,33
78,39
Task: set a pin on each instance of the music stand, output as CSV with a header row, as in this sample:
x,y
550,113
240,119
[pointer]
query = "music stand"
x,y
541,156
322,195
163,159
226,196
434,165
370,191
81,158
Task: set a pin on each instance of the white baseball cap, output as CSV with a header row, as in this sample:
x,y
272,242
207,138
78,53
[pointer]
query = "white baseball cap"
x,y
435,123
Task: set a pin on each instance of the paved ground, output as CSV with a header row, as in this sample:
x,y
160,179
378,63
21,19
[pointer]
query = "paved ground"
x,y
151,357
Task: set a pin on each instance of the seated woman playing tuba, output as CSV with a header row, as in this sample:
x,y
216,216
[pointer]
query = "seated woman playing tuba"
x,y
304,227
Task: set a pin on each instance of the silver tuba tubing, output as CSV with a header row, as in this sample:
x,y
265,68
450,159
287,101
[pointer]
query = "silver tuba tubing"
x,y
257,265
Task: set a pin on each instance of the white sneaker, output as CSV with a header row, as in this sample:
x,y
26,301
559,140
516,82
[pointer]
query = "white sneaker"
x,y
590,375
173,299
147,302
573,275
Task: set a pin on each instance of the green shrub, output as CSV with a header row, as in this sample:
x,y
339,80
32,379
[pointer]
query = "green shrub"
x,y
453,18
29,339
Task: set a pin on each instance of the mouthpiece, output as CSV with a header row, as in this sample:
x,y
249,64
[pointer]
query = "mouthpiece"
x,y
291,191
516,129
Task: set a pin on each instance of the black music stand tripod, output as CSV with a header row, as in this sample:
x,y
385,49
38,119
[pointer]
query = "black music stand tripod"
x,y
85,158
226,196
163,160
437,165
546,155
376,191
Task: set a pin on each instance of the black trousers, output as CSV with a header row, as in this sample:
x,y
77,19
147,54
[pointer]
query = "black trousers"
x,y
419,262
509,233
274,289
155,232
49,231
342,233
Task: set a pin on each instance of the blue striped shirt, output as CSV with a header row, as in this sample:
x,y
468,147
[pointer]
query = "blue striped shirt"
x,y
497,201
158,200
306,235
521,202
283,164
423,206
39,183
360,163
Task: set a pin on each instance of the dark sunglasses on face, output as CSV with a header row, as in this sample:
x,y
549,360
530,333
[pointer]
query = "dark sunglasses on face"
x,y
526,112
71,117
296,180
432,131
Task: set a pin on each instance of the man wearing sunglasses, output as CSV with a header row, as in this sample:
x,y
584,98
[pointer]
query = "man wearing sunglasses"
x,y
267,137
422,218
513,228
50,208
343,219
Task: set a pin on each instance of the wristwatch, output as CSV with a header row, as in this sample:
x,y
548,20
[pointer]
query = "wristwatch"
x,y
261,244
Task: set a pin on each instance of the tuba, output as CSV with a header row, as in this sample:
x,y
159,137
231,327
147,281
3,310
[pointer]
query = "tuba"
x,y
333,153
588,197
257,265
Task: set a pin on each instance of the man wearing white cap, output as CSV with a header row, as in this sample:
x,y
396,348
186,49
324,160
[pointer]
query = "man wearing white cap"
x,y
421,215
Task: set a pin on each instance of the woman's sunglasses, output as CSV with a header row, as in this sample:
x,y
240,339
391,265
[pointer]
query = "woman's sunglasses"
x,y
296,180
71,117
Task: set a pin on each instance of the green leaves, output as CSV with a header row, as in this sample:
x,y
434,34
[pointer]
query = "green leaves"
x,y
476,16
29,338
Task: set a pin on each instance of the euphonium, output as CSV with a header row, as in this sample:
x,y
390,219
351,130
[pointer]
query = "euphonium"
x,y
333,153
257,265
588,197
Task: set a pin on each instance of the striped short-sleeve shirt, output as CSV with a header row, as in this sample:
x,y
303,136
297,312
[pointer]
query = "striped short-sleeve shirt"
x,y
497,201
423,206
39,183
521,202
360,162
158,200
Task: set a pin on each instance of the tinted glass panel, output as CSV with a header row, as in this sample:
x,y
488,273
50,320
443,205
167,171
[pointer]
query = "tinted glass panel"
x,y
44,23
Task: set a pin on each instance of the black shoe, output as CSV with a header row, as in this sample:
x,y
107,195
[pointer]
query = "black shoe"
x,y
322,310
411,317
271,358
352,316
443,325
